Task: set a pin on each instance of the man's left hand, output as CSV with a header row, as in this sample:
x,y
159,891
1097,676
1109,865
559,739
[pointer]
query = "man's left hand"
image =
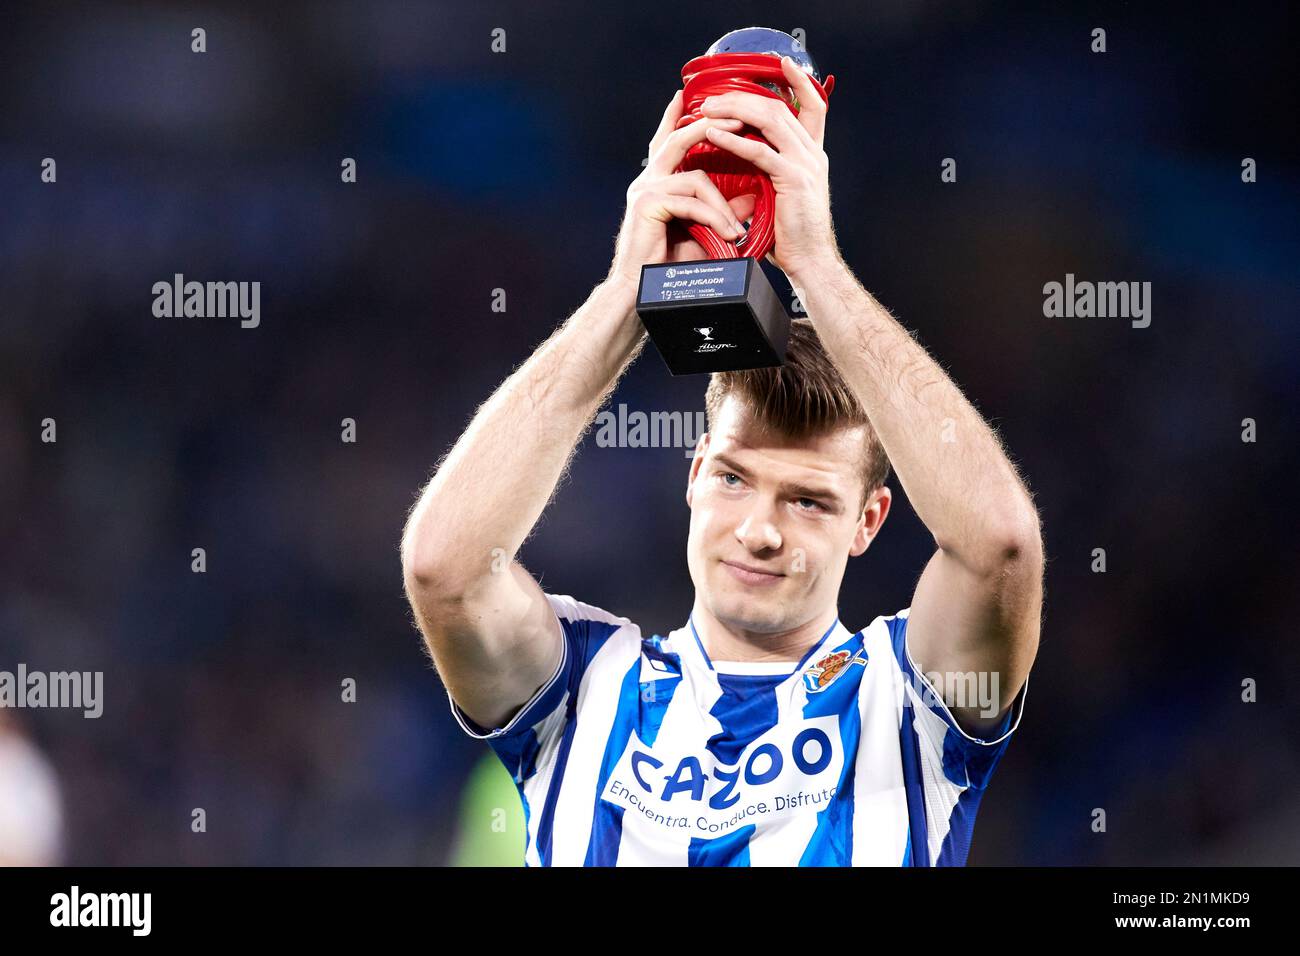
x,y
795,162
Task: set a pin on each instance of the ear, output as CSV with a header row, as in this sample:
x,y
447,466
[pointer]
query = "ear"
x,y
873,517
701,447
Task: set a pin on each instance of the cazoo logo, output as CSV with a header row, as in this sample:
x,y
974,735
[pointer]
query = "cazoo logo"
x,y
785,769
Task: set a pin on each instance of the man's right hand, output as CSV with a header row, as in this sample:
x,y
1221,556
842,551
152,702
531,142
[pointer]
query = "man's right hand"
x,y
659,196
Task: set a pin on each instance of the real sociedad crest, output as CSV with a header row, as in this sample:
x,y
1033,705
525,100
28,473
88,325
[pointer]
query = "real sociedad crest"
x,y
819,676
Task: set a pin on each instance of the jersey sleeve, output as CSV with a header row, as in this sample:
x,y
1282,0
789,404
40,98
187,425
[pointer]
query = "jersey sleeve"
x,y
538,724
967,759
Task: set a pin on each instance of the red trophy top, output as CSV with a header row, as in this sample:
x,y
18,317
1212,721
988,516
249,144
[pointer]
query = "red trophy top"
x,y
748,61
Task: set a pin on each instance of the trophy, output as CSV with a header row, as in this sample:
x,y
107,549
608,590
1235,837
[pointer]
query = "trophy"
x,y
722,314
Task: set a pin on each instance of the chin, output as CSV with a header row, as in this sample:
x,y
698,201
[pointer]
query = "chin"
x,y
737,609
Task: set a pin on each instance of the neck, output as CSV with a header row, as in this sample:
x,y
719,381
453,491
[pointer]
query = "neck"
x,y
723,642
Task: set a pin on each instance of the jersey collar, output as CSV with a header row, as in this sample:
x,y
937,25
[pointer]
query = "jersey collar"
x,y
693,647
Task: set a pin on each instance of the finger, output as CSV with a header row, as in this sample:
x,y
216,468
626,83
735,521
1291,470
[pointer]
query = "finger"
x,y
673,149
665,207
760,154
699,185
668,123
743,206
769,116
812,111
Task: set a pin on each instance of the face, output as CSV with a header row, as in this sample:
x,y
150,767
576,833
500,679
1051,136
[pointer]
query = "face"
x,y
789,512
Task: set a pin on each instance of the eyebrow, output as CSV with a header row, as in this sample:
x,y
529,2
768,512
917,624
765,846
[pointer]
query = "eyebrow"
x,y
793,487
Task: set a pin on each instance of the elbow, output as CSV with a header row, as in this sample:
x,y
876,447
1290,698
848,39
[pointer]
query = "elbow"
x,y
421,571
418,577
431,590
1011,544
1020,541
436,572
426,582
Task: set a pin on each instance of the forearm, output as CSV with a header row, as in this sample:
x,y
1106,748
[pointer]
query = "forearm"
x,y
951,464
493,485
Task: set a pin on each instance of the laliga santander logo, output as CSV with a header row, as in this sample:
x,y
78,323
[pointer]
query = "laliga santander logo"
x,y
822,674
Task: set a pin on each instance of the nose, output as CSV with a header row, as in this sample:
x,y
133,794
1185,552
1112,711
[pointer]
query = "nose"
x,y
758,532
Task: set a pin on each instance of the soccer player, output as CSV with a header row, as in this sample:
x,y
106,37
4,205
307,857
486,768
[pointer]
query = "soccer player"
x,y
763,730
31,802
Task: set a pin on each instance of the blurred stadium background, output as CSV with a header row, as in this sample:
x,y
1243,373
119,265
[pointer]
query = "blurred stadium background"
x,y
479,171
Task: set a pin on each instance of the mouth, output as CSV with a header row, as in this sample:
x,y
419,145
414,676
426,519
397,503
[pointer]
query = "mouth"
x,y
752,576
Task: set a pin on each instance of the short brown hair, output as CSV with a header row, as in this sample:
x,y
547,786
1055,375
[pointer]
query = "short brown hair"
x,y
803,398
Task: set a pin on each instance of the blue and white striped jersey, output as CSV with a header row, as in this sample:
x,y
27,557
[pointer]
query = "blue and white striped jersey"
x,y
642,751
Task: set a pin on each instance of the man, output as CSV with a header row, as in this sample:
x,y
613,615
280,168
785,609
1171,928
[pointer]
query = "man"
x,y
761,731
31,802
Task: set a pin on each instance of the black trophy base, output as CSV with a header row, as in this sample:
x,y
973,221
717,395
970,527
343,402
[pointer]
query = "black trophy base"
x,y
713,315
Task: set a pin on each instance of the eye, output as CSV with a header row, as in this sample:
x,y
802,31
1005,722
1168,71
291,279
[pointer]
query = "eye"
x,y
728,474
816,505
